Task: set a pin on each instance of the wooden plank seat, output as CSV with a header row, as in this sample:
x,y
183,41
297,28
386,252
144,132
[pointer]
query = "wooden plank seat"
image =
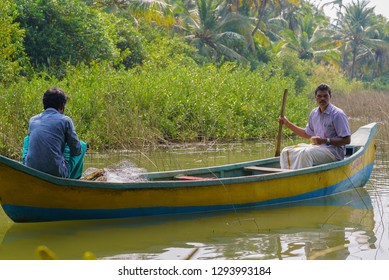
x,y
265,169
189,178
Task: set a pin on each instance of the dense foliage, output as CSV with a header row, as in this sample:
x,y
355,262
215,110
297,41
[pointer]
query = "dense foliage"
x,y
144,72
11,43
145,106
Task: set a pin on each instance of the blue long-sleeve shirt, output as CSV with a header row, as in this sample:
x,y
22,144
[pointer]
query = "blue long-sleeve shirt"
x,y
49,132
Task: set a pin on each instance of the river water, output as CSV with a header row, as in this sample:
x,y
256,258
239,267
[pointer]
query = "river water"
x,y
352,225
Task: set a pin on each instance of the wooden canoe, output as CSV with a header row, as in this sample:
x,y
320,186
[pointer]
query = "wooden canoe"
x,y
28,195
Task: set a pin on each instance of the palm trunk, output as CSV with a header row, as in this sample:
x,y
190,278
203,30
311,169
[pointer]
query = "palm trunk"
x,y
375,68
261,12
353,63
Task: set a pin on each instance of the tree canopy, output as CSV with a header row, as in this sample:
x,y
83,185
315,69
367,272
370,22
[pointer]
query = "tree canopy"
x,y
47,35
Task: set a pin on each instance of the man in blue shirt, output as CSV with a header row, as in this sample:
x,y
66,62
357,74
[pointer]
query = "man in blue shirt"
x,y
328,129
52,145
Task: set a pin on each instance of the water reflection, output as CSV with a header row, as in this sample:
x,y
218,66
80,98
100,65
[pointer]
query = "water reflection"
x,y
322,229
378,189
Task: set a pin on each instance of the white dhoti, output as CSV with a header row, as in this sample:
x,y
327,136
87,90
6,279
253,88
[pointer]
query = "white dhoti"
x,y
305,155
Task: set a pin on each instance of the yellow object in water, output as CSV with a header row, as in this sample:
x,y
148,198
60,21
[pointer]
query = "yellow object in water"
x,y
89,256
44,253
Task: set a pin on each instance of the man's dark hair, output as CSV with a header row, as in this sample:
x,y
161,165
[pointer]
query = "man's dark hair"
x,y
54,98
323,87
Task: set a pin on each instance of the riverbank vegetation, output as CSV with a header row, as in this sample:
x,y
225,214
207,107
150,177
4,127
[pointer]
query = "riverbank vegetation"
x,y
140,73
367,107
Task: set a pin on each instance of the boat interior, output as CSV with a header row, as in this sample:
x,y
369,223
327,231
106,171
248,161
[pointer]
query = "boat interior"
x,y
265,166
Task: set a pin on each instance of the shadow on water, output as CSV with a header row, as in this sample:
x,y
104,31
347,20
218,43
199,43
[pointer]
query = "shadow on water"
x,y
321,228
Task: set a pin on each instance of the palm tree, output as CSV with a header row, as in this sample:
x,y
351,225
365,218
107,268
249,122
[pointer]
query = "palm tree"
x,y
310,40
382,51
304,32
339,14
159,11
357,33
215,31
260,7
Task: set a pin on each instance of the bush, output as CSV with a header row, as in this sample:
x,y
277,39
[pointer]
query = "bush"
x,y
12,57
64,31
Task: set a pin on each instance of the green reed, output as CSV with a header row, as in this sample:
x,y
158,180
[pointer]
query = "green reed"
x,y
145,106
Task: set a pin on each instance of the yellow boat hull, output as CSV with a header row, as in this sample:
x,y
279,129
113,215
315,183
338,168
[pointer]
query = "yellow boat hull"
x,y
28,195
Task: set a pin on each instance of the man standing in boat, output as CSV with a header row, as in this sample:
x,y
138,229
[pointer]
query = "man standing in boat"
x,y
328,129
52,145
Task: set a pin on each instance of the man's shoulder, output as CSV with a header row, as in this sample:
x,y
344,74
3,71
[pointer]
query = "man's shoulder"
x,y
68,119
65,120
336,110
315,110
36,117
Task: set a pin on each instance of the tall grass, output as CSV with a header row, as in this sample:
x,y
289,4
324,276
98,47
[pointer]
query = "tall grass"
x,y
365,107
145,106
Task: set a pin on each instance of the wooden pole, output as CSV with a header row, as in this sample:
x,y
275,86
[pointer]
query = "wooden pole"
x,y
278,147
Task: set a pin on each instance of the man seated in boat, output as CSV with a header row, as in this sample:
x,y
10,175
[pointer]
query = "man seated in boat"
x,y
328,129
52,145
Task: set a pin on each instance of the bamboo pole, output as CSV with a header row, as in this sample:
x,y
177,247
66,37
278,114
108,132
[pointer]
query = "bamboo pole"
x,y
279,136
